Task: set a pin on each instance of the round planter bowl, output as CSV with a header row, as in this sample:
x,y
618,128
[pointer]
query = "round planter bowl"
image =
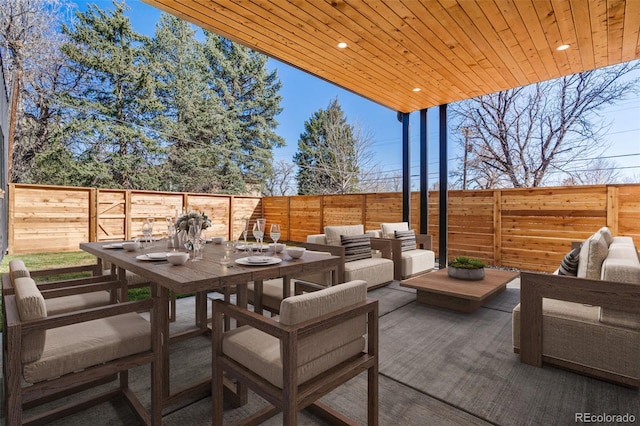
x,y
466,274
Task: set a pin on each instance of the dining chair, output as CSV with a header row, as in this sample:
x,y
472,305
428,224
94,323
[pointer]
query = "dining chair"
x,y
49,357
320,341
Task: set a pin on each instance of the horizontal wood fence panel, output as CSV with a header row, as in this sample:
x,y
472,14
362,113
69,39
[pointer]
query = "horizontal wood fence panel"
x,y
305,217
525,228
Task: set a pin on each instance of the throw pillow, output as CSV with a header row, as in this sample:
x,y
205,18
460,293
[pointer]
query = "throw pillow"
x,y
356,247
407,239
569,265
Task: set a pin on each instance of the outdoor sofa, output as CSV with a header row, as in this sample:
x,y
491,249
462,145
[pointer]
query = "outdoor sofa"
x,y
588,323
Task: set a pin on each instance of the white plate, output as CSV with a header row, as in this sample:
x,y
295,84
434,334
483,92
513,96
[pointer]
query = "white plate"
x,y
268,261
152,256
113,246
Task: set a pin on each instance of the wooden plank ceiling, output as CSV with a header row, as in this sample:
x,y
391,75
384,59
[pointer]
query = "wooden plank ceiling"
x,y
449,49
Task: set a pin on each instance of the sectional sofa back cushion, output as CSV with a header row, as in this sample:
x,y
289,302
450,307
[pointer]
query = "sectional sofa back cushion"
x,y
333,233
31,306
389,229
592,254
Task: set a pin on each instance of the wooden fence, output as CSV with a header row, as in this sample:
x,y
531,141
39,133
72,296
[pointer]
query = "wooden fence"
x,y
58,218
530,229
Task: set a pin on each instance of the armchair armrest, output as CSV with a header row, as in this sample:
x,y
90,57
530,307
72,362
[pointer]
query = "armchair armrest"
x,y
335,251
384,245
535,286
424,241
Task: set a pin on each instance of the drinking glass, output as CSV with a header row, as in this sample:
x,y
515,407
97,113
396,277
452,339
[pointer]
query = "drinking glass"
x,y
147,229
193,240
275,233
171,233
258,232
244,233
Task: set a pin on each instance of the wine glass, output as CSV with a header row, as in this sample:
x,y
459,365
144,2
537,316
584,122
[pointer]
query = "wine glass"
x,y
258,232
244,233
147,229
275,235
193,239
171,233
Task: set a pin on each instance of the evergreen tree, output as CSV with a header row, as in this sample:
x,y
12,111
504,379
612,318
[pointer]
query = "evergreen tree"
x,y
190,120
327,156
249,97
108,134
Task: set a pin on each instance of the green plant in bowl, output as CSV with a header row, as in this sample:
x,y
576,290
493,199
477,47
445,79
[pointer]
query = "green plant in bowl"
x,y
464,262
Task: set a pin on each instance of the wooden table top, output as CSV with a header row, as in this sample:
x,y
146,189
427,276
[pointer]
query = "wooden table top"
x,y
208,273
439,282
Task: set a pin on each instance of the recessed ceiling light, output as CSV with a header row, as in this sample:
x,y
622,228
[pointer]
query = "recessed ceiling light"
x,y
416,89
342,45
563,47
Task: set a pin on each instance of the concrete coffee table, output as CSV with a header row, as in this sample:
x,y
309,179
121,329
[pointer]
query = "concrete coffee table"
x,y
438,289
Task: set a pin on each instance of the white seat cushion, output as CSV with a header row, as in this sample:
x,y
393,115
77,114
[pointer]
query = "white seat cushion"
x,y
416,261
374,271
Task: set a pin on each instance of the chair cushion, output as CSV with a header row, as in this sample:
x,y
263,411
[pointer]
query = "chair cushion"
x,y
317,353
78,346
569,264
333,233
356,247
31,306
77,302
407,239
388,229
417,261
375,271
592,254
17,269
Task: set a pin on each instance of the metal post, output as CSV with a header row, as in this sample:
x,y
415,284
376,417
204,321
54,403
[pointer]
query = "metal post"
x,y
443,196
406,170
424,173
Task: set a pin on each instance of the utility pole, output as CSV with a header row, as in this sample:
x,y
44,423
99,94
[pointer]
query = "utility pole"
x,y
467,131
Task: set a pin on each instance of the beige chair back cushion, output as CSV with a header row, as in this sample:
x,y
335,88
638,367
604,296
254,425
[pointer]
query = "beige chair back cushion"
x,y
593,252
333,233
17,269
297,309
31,306
389,229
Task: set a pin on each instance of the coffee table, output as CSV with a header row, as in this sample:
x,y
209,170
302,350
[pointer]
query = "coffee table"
x,y
438,289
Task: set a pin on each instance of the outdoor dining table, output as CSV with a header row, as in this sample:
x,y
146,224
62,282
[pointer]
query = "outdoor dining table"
x,y
200,277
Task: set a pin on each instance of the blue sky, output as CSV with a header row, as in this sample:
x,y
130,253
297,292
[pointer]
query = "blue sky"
x,y
304,94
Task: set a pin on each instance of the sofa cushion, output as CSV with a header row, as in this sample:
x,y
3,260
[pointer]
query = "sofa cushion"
x,y
606,234
375,271
333,233
569,264
356,247
317,239
407,239
31,306
417,261
78,346
592,253
388,229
